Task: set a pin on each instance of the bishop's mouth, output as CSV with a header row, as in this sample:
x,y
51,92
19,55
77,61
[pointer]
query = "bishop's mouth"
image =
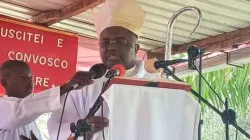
x,y
113,58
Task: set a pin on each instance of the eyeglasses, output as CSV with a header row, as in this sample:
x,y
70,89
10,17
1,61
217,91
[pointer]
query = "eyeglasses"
x,y
120,43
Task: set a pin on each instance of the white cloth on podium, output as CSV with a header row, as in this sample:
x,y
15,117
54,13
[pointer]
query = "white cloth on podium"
x,y
147,113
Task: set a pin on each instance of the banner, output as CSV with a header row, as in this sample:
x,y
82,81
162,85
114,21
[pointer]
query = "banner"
x,y
51,54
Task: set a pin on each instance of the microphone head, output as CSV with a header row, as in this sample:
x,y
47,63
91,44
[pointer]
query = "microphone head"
x,y
120,68
193,53
99,70
159,64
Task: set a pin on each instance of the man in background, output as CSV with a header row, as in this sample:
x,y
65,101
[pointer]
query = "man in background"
x,y
20,108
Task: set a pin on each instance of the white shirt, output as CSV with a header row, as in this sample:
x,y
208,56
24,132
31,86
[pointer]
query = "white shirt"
x,y
18,115
80,101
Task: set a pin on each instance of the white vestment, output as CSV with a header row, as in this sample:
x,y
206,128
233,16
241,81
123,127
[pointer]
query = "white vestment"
x,y
18,115
80,101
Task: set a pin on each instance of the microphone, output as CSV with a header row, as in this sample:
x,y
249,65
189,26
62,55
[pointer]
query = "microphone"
x,y
116,70
148,66
97,71
163,64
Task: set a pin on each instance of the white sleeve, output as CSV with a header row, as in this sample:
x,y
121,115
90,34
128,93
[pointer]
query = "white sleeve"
x,y
70,115
16,112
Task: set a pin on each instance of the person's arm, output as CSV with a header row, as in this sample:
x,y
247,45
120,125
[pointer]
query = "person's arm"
x,y
17,112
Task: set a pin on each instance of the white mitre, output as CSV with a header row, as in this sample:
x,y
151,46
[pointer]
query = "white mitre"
x,y
124,13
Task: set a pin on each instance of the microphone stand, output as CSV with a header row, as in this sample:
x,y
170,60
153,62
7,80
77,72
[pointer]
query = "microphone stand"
x,y
228,116
193,53
83,127
200,52
227,121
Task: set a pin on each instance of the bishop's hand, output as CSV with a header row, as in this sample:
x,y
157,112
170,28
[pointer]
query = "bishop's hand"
x,y
33,137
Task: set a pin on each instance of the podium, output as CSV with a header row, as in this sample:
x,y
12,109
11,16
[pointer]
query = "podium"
x,y
140,111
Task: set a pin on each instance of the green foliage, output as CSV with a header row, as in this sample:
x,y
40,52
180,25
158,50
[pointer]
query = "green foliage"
x,y
232,82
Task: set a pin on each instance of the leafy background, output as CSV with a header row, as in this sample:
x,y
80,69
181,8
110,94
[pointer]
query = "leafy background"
x,y
231,82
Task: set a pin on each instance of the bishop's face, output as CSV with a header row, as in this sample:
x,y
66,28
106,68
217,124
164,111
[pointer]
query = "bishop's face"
x,y
118,46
